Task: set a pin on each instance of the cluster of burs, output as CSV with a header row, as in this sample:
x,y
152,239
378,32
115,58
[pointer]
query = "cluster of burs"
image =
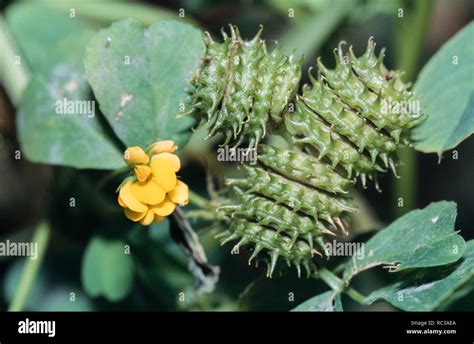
x,y
286,205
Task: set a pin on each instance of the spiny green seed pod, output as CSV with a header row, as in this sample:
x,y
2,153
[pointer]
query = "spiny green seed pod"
x,y
322,101
302,168
241,89
267,213
291,195
345,116
366,85
273,244
314,131
298,197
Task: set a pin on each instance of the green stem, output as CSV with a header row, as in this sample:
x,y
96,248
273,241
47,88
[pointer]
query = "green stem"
x,y
198,200
337,284
334,282
409,34
201,214
31,268
355,295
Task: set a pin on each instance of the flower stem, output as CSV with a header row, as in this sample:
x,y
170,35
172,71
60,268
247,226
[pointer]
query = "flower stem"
x,y
31,268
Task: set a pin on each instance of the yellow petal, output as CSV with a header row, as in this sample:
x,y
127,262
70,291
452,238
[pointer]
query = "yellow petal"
x,y
135,155
163,146
148,192
164,208
134,216
130,200
159,218
148,218
120,202
142,172
180,193
173,159
163,173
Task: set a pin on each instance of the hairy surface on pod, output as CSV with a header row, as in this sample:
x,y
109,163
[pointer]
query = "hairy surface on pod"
x,y
240,89
346,114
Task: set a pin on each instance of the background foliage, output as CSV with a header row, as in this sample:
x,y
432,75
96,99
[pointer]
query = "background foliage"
x,y
82,57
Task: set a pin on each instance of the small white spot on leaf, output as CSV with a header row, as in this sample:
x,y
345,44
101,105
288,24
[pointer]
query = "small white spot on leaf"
x,y
124,99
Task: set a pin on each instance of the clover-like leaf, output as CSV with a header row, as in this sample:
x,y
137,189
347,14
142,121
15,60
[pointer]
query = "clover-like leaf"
x,y
329,301
57,120
446,86
139,77
421,238
107,270
38,29
428,289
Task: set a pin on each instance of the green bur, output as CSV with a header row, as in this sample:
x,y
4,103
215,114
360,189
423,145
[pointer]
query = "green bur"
x,y
285,207
240,89
346,114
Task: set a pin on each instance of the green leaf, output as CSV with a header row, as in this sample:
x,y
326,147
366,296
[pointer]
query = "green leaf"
x,y
58,299
139,77
49,136
446,86
421,238
37,29
107,269
329,301
109,11
429,289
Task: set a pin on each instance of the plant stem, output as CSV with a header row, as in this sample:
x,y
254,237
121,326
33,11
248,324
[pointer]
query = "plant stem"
x,y
201,214
198,200
337,284
334,282
31,268
409,34
355,295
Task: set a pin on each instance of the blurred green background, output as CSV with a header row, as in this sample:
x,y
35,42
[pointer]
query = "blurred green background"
x,y
156,273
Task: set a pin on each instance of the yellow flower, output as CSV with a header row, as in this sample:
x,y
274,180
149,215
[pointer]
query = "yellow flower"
x,y
167,146
135,155
153,191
